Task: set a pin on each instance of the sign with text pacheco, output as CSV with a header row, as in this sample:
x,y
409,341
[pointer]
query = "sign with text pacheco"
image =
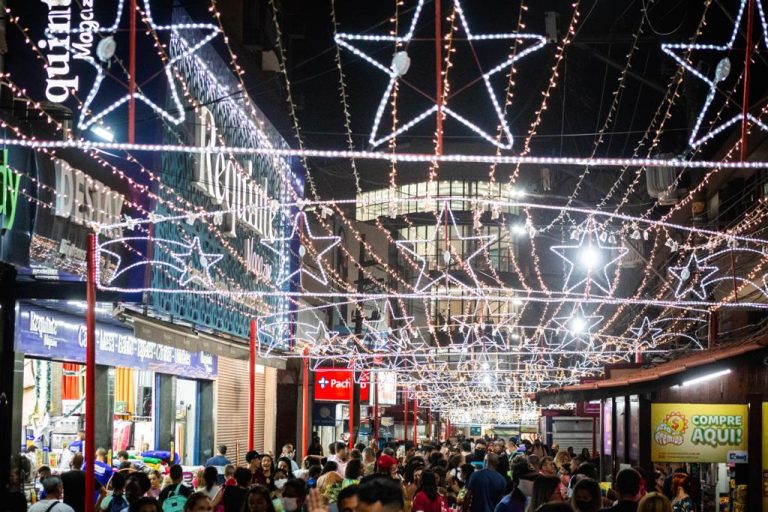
x,y
697,432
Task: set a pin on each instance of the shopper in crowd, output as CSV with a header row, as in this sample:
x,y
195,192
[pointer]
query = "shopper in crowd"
x,y
547,466
654,502
219,461
43,472
101,468
53,492
381,495
586,496
353,473
659,477
681,490
257,499
284,465
294,495
156,483
264,474
339,457
253,460
545,489
627,486
538,449
209,485
386,468
198,502
411,480
232,497
136,486
145,504
122,456
289,453
369,461
313,473
73,482
176,490
315,451
523,478
115,501
555,506
486,487
427,498
346,500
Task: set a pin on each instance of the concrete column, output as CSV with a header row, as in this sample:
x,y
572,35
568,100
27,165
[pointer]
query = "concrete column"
x,y
205,449
165,410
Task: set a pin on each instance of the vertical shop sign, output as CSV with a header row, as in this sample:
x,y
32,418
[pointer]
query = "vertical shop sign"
x,y
9,198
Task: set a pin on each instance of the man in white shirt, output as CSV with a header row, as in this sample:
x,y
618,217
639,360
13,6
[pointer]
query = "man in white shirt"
x,y
53,493
340,458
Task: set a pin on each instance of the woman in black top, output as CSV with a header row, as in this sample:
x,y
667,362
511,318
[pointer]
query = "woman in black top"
x,y
233,496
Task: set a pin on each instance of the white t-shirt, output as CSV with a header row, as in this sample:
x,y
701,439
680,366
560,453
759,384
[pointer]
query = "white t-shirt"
x,y
43,505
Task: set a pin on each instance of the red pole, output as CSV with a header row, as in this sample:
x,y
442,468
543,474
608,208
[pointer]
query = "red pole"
x,y
90,372
252,386
405,414
351,408
415,421
375,411
439,76
429,423
305,406
132,76
747,65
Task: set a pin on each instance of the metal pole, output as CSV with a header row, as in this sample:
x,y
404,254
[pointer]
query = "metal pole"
x,y
132,75
90,372
429,423
405,414
305,406
252,386
747,65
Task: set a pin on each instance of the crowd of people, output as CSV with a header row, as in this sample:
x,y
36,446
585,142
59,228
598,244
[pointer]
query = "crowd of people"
x,y
463,475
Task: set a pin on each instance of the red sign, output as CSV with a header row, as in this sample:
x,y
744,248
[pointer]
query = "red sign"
x,y
336,385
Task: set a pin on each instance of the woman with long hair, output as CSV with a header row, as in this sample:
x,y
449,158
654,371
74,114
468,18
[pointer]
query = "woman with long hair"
x,y
411,479
545,489
586,496
352,473
284,463
209,487
654,502
427,498
264,474
681,490
258,499
329,482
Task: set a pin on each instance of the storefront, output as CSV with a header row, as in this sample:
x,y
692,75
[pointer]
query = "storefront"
x,y
134,373
705,411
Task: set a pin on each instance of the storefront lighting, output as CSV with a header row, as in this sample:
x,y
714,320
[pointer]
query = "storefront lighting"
x,y
704,378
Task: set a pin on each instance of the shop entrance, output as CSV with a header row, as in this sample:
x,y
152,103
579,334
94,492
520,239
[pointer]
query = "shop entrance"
x,y
185,428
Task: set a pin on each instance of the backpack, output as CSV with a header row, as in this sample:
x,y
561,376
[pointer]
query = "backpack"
x,y
117,504
175,501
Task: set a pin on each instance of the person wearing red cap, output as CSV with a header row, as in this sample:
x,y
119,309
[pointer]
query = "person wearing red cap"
x,y
386,467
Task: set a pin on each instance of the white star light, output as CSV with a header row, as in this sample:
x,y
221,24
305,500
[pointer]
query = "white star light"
x,y
206,261
685,273
424,281
645,334
578,325
175,118
345,40
669,48
385,336
282,276
592,257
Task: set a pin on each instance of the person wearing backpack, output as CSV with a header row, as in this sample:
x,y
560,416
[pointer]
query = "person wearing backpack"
x,y
174,495
53,491
115,502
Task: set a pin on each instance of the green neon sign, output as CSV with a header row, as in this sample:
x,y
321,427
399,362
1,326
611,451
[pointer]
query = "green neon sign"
x,y
9,193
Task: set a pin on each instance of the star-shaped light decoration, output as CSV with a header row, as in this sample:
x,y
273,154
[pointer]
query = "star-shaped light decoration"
x,y
645,334
446,220
396,70
578,326
276,244
693,277
177,113
195,265
383,335
590,260
678,50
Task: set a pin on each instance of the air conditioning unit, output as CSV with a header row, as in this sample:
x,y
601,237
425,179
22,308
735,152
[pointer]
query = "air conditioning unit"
x,y
661,183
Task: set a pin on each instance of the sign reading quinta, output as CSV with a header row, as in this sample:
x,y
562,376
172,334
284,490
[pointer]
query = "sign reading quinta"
x,y
697,432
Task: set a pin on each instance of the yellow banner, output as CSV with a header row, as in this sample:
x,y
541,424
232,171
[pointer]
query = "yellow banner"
x,y
698,432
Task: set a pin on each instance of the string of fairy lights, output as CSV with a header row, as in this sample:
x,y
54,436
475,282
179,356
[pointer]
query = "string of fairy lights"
x,y
452,320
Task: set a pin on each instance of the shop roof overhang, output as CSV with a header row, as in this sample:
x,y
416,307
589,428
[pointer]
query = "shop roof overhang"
x,y
636,381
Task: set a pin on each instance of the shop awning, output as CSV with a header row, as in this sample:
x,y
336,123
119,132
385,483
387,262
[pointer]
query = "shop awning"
x,y
642,380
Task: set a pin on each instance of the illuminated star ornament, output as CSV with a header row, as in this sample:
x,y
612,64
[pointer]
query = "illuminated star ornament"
x,y
675,50
645,332
445,221
693,277
578,325
177,113
592,258
196,264
398,67
275,245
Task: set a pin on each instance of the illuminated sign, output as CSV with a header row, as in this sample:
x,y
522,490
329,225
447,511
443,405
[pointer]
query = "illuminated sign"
x,y
336,386
9,195
698,432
